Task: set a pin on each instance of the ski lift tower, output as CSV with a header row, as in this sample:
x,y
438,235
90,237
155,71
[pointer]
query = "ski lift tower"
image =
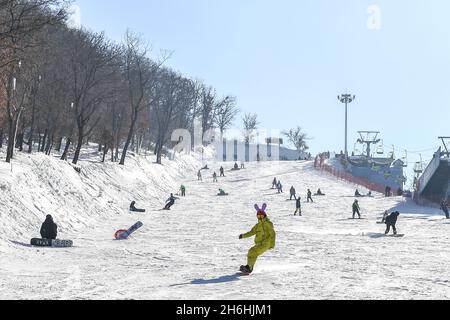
x,y
445,142
368,138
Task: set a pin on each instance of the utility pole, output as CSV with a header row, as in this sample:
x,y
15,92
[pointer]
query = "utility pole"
x,y
346,98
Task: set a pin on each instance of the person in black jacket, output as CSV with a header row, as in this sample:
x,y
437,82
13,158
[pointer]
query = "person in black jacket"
x,y
134,209
49,229
170,202
391,221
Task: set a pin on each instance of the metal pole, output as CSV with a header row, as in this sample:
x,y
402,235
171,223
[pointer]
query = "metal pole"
x,y
346,127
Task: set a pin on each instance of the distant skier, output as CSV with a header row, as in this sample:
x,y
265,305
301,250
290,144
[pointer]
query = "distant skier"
x,y
264,241
280,187
357,194
170,202
293,193
49,229
356,209
199,175
309,195
298,206
391,221
388,191
444,207
134,209
183,190
215,177
274,183
222,172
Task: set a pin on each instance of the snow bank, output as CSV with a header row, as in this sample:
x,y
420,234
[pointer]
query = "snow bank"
x,y
33,186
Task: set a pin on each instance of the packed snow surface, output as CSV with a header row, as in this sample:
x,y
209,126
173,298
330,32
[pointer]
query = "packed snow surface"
x,y
193,251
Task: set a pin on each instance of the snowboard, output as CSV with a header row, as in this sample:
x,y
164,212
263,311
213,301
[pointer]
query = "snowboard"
x,y
124,234
51,243
395,235
222,195
137,210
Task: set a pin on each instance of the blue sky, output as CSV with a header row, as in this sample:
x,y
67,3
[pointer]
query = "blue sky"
x,y
288,60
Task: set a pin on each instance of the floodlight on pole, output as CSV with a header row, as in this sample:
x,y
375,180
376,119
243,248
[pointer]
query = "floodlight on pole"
x,y
346,99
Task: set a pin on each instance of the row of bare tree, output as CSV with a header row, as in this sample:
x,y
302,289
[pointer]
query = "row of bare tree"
x,y
63,87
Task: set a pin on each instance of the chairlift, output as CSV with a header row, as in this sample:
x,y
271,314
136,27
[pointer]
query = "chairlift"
x,y
380,149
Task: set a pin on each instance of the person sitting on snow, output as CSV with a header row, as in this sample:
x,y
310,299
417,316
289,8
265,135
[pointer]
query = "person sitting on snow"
x,y
134,209
222,192
391,221
264,241
236,166
357,194
49,229
319,193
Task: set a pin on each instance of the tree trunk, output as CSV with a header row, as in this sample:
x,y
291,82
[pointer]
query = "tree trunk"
x,y
1,138
59,144
129,138
105,152
66,149
30,138
44,140
79,145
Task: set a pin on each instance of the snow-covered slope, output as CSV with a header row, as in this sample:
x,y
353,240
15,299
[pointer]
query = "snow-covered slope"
x,y
193,251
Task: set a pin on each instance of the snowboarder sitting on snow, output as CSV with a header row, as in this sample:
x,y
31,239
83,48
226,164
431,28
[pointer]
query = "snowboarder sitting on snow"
x,y
444,207
357,194
264,241
236,166
222,192
319,193
356,209
293,193
49,229
170,202
391,221
298,206
134,209
205,167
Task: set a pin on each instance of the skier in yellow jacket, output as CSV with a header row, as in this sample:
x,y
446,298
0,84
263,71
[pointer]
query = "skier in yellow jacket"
x,y
264,241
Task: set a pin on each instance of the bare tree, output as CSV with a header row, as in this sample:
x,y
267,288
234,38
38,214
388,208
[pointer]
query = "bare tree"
x,y
251,123
139,71
298,138
92,60
226,113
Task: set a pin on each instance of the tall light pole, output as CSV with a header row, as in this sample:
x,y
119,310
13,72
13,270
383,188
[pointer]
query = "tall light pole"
x,y
346,98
